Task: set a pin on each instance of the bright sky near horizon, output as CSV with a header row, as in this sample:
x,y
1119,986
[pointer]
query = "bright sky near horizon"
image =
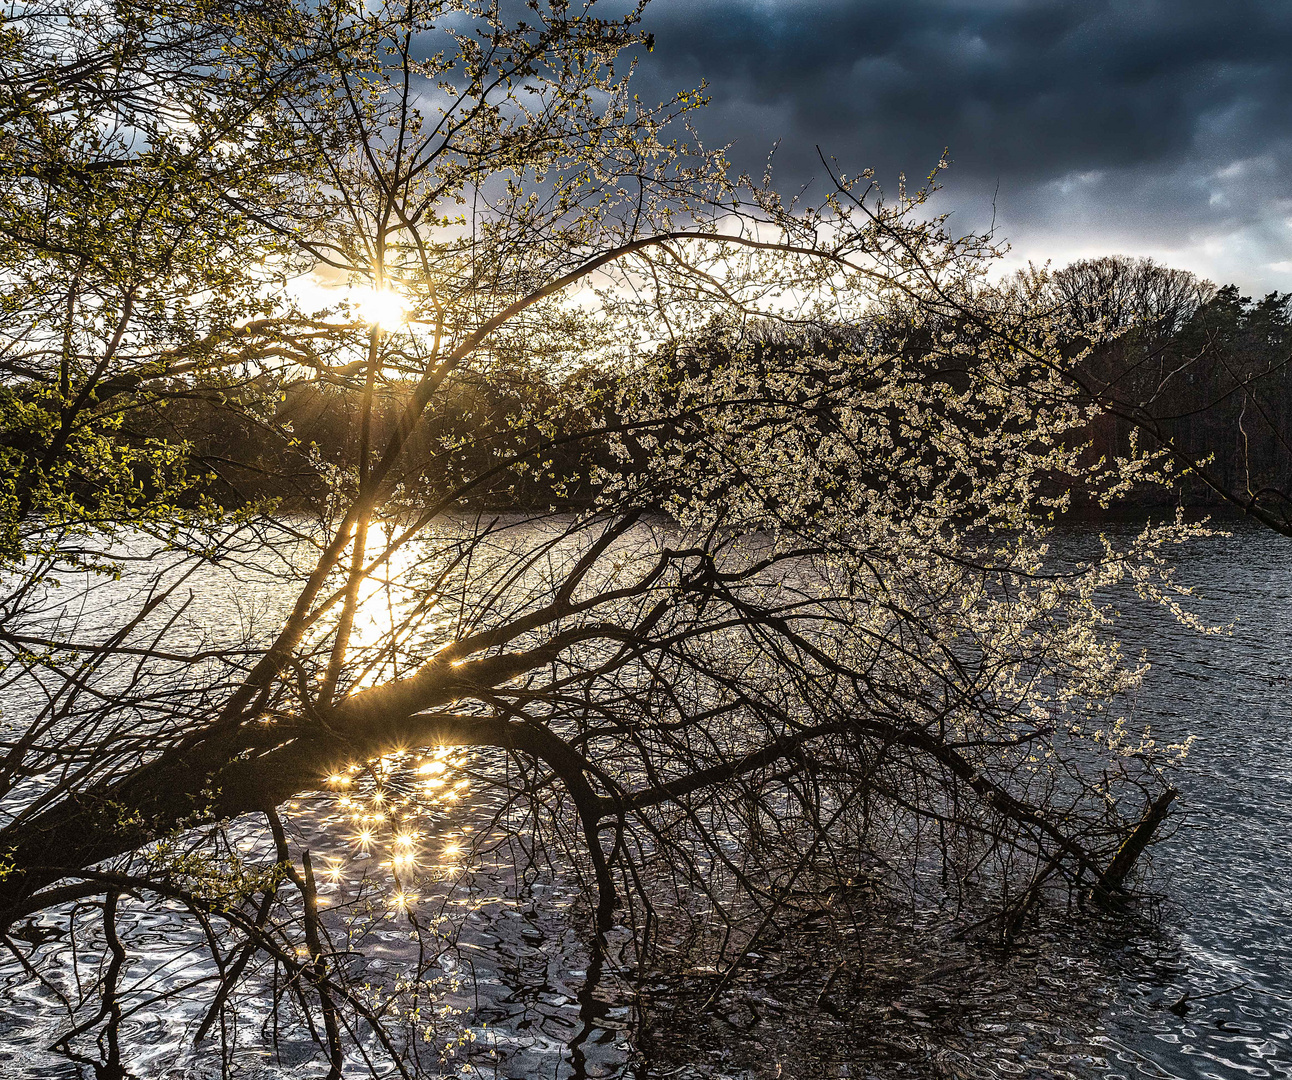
x,y
1141,127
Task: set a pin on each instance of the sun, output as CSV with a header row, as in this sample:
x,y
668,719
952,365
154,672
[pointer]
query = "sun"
x,y
383,308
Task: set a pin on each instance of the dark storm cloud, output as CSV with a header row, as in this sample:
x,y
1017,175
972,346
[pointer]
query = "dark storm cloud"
x,y
1162,125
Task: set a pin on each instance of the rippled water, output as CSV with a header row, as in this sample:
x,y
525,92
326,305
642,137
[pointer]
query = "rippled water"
x,y
1198,984
1226,924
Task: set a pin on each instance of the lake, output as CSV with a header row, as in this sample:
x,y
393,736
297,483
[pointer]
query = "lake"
x,y
1194,981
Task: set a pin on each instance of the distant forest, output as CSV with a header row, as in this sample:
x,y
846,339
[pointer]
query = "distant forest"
x,y
1206,366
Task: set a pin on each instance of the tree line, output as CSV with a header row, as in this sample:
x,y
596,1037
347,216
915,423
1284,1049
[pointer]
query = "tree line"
x,y
1207,366
1208,363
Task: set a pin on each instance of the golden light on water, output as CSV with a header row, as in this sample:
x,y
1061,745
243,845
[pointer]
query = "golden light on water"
x,y
386,804
390,613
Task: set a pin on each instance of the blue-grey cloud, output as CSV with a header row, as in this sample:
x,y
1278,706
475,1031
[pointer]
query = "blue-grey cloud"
x,y
1134,125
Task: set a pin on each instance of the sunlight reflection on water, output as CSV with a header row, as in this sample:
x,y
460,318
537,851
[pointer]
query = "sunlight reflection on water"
x,y
1200,986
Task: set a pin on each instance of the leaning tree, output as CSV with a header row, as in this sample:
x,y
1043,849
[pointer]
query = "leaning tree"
x,y
783,613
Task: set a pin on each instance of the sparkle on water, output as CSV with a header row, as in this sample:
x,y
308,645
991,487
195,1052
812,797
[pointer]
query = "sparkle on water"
x,y
1198,986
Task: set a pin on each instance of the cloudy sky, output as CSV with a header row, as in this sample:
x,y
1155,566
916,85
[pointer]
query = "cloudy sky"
x,y
1146,127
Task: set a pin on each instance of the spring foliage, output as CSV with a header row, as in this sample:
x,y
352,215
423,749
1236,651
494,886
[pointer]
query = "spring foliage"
x,y
802,617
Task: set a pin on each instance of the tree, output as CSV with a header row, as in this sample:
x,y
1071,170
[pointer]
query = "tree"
x,y
1124,294
803,622
1200,371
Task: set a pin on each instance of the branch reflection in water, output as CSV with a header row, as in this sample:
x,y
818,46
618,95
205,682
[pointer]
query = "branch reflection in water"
x,y
443,900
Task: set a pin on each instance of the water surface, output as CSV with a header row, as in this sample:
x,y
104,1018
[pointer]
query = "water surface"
x,y
1195,984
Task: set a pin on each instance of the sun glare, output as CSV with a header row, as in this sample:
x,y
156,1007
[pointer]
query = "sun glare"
x,y
383,308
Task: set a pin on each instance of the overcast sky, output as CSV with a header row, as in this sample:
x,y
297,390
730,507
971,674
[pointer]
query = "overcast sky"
x,y
1141,127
